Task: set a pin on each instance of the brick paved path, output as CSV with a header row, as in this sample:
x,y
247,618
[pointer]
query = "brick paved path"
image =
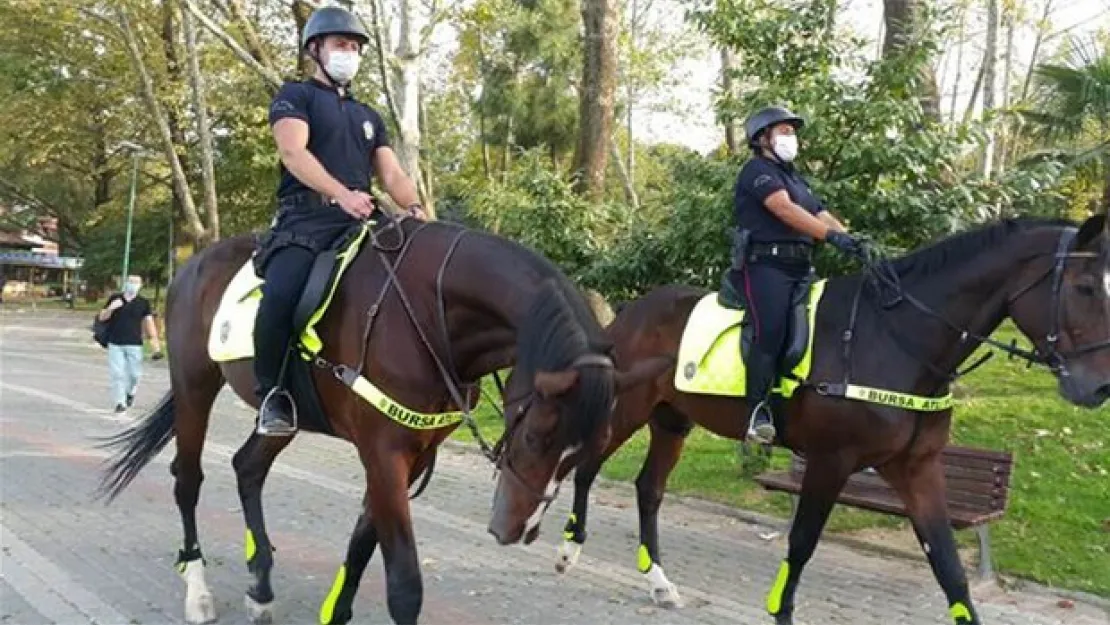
x,y
67,559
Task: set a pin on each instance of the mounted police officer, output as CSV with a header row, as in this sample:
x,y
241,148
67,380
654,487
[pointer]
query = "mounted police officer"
x,y
778,220
330,146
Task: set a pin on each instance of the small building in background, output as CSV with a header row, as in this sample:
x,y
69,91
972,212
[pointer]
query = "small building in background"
x,y
31,264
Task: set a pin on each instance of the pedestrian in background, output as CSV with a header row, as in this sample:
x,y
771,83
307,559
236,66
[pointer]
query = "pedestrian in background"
x,y
128,316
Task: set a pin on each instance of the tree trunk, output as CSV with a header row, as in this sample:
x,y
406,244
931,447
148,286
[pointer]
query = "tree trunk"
x,y
975,89
250,35
629,174
180,183
1004,134
959,62
406,83
990,57
734,135
173,71
626,180
902,20
485,144
595,113
301,11
268,74
1038,41
204,133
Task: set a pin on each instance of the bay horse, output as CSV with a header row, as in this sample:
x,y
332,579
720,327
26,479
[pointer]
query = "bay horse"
x,y
1051,279
494,303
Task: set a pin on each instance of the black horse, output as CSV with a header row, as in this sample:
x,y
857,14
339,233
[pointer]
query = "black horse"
x,y
908,329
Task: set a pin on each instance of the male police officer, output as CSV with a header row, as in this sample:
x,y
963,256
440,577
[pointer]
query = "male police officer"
x,y
330,145
782,218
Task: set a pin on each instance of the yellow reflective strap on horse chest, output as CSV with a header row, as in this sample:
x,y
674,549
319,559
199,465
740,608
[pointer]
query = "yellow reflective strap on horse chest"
x,y
899,400
774,598
327,609
249,546
395,411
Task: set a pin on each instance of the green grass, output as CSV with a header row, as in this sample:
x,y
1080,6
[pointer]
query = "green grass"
x,y
1057,528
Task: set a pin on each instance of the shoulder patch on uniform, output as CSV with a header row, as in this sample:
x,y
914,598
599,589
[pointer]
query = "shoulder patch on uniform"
x,y
368,130
282,106
761,180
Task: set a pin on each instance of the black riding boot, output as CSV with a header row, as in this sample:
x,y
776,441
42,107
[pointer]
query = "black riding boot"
x,y
277,413
761,376
286,272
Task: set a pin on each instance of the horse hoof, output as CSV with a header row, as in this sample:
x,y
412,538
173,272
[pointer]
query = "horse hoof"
x,y
567,556
666,597
200,609
259,613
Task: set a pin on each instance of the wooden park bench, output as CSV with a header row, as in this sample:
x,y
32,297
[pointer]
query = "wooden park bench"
x,y
978,489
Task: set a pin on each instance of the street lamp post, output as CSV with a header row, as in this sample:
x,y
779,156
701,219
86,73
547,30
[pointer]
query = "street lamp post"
x,y
137,152
130,216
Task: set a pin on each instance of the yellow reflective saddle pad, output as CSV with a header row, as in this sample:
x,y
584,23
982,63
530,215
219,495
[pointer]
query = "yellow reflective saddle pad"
x,y
232,333
709,361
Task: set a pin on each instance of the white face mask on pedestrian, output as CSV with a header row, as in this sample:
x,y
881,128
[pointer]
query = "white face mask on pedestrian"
x,y
342,66
785,147
130,289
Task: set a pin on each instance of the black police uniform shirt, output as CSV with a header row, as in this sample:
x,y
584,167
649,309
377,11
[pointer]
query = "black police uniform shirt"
x,y
759,178
343,133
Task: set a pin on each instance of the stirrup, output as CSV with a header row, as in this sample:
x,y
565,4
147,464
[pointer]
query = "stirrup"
x,y
271,420
765,432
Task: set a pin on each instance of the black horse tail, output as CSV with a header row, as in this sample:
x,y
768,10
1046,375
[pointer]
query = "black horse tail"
x,y
136,447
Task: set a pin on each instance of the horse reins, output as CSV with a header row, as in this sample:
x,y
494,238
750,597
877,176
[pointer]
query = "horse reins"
x,y
1055,360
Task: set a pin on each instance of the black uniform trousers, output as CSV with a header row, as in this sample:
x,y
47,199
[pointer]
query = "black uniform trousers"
x,y
767,287
305,226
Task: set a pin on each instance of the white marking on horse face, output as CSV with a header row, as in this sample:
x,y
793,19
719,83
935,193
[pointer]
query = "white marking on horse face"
x,y
1106,282
548,491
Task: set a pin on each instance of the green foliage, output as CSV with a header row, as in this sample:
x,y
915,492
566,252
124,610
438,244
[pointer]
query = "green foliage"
x,y
149,247
682,239
537,206
524,58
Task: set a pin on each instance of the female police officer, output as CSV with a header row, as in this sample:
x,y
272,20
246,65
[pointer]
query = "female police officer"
x,y
779,218
330,145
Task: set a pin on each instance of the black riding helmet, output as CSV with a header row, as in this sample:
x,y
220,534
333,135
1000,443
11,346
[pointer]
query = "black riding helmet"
x,y
767,117
333,21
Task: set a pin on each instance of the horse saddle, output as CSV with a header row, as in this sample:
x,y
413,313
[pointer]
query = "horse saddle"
x,y
232,334
709,362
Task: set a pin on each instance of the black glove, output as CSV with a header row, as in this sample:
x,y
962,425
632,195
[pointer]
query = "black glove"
x,y
844,242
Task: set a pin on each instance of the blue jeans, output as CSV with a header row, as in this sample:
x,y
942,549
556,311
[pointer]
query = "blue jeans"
x,y
125,367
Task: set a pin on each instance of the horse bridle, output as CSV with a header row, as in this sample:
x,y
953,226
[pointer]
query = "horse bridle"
x,y
500,456
1052,358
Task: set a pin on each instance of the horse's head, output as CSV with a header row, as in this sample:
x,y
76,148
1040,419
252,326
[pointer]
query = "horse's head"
x,y
1066,312
553,420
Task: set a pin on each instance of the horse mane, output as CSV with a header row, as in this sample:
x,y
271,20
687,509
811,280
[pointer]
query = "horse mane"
x,y
963,246
557,329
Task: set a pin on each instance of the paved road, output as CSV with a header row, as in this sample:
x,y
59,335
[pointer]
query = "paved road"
x,y
67,559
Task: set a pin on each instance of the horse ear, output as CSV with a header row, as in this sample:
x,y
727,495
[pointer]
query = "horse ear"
x,y
1091,229
642,371
554,383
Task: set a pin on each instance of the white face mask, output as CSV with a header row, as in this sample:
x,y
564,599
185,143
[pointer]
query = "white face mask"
x,y
342,66
785,147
